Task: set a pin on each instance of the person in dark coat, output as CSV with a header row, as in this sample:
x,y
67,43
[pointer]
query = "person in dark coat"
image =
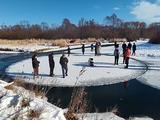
x,y
124,46
35,65
115,44
129,45
116,56
69,50
64,61
134,49
95,49
51,64
83,49
92,47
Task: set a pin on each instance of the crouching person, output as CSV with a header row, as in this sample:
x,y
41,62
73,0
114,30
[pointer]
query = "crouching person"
x,y
64,61
91,62
35,65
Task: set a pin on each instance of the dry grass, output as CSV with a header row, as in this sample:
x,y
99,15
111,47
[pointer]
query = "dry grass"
x,y
15,117
19,83
78,104
57,42
32,114
61,43
114,110
38,91
25,103
10,87
70,116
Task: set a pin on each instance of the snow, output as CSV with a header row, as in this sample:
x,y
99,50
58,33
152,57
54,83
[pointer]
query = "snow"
x,y
141,118
10,105
101,116
103,73
27,48
80,74
150,53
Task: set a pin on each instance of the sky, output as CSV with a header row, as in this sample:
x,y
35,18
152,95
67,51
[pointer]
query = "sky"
x,y
54,11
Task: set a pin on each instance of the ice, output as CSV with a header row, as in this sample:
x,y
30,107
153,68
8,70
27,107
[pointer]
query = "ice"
x,y
104,71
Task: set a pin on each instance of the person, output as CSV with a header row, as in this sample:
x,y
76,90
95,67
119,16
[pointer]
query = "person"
x,y
134,49
91,62
115,44
92,47
51,64
124,46
83,49
95,49
35,65
129,45
127,56
69,50
116,56
98,47
63,62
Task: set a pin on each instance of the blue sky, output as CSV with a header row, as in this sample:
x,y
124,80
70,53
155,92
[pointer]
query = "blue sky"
x,y
54,11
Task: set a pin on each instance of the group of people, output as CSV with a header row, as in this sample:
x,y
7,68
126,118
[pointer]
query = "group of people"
x,y
95,48
63,62
126,52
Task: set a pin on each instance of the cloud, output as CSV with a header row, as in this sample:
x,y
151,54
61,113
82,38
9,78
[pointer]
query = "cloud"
x,y
147,11
116,8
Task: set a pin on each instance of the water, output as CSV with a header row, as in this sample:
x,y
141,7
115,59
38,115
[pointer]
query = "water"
x,y
131,99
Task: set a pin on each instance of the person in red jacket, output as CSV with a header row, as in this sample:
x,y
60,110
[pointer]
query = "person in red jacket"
x,y
127,56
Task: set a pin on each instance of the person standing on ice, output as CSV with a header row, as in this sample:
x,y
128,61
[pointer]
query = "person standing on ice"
x,y
116,55
83,49
92,47
64,61
69,51
115,44
98,48
127,56
124,46
51,64
129,45
35,65
134,49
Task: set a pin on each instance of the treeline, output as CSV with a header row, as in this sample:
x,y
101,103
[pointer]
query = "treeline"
x,y
114,27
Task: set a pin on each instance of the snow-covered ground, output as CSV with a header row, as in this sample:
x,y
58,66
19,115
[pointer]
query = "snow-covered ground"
x,y
150,53
141,118
80,74
17,103
103,73
101,116
11,105
28,48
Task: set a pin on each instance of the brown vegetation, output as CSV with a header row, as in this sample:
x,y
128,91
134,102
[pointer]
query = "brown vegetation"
x,y
25,103
9,87
37,90
34,113
113,28
78,104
